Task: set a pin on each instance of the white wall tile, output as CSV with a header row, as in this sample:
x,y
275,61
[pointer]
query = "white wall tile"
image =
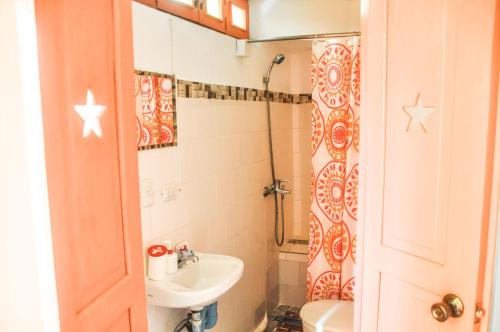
x,y
289,272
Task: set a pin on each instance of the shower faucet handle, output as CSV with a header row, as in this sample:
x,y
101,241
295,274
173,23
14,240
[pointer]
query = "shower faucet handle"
x,y
277,187
280,183
280,188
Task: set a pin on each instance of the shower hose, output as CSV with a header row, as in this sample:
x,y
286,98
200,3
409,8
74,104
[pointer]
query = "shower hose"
x,y
279,239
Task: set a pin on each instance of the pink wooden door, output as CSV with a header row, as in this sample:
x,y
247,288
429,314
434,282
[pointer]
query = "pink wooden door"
x,y
92,181
425,184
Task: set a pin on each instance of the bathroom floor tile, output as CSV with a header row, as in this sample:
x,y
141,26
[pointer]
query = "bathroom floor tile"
x,y
285,318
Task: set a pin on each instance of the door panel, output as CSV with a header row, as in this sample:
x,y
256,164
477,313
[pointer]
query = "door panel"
x,y
395,293
122,324
423,186
92,181
416,181
94,162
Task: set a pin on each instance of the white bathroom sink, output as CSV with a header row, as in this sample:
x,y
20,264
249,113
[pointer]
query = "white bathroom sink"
x,y
196,284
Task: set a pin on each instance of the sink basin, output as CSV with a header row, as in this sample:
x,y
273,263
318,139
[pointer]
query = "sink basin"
x,y
197,284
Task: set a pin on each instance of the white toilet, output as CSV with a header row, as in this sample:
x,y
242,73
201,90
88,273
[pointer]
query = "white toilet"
x,y
328,316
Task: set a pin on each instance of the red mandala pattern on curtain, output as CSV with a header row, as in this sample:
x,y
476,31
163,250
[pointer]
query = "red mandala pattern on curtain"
x,y
326,286
313,184
351,192
355,138
154,110
315,238
354,243
309,285
356,79
336,246
335,136
334,74
318,127
339,133
330,191
347,292
314,70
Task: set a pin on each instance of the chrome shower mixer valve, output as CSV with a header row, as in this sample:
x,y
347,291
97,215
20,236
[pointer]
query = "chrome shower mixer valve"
x,y
277,187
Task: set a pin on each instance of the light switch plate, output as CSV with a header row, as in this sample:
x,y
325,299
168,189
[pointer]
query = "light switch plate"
x,y
147,193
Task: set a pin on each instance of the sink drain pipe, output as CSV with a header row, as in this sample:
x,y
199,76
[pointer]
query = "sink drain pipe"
x,y
199,320
182,324
210,318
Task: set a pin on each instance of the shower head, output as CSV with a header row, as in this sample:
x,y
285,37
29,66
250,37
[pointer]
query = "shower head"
x,y
279,58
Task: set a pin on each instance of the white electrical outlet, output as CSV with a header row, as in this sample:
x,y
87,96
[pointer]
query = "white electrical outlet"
x,y
168,192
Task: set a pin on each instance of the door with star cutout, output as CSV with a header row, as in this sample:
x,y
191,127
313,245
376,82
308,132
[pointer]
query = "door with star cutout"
x,y
426,107
86,72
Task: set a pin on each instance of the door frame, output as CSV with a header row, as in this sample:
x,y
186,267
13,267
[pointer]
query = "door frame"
x,y
491,213
491,225
359,267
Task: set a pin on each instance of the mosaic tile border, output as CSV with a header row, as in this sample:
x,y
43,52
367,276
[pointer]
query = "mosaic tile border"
x,y
174,97
298,241
191,89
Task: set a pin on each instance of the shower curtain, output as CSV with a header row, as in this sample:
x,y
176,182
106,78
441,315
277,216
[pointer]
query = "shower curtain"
x,y
334,189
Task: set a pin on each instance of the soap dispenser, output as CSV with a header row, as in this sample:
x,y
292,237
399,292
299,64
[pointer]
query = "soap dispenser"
x,y
172,263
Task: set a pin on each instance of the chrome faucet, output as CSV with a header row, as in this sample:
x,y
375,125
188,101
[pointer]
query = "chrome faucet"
x,y
277,187
186,256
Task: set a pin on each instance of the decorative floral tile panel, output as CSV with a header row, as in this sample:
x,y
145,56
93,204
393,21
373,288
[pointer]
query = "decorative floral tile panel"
x,y
155,110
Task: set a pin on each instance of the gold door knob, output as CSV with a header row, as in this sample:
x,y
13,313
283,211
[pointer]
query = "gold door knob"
x,y
451,306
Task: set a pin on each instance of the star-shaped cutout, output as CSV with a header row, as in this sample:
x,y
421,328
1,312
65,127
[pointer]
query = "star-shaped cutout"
x,y
418,113
91,114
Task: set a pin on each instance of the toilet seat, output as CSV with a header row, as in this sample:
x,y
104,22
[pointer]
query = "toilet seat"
x,y
328,316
